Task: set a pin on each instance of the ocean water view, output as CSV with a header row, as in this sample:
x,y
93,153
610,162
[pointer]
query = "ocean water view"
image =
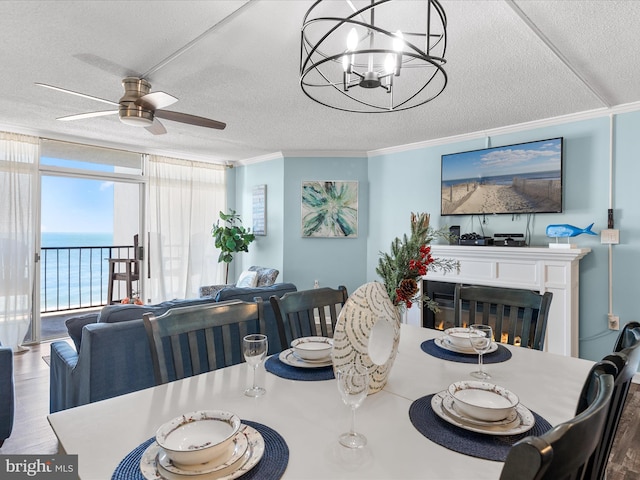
x,y
74,270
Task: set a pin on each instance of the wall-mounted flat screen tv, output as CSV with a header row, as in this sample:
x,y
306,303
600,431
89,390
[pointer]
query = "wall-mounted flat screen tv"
x,y
514,179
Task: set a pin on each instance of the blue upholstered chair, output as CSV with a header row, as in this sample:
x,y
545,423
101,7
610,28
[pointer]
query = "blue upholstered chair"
x,y
7,402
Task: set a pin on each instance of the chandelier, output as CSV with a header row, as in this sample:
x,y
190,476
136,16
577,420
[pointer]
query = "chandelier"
x,y
373,56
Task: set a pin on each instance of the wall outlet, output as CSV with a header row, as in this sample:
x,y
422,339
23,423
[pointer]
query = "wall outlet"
x,y
614,322
316,284
610,236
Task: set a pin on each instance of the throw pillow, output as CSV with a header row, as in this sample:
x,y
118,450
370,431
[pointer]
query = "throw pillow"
x,y
247,279
266,276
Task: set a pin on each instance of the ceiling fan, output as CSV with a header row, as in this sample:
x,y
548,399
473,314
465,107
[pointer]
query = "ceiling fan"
x,y
140,107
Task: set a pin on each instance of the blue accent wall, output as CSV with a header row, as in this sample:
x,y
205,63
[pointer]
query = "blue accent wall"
x,y
267,250
395,184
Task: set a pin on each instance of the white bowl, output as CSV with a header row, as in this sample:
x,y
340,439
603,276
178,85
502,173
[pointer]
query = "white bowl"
x,y
458,337
483,400
198,437
312,348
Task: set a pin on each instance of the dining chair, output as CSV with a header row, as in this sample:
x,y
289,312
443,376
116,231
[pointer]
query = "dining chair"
x,y
308,312
629,336
518,317
626,361
187,341
564,452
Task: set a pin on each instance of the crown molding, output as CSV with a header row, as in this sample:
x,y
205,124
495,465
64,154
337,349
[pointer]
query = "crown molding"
x,y
259,159
547,122
326,153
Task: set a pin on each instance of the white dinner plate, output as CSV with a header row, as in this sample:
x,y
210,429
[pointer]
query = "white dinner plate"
x,y
523,423
238,449
152,470
287,356
444,344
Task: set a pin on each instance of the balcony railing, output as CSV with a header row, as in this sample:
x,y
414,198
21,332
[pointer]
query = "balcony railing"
x,y
77,277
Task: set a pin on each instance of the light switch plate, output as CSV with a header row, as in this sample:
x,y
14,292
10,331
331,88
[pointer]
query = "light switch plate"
x,y
610,236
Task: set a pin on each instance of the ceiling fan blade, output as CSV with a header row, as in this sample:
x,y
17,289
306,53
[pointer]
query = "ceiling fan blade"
x,y
190,119
156,100
157,128
80,116
64,90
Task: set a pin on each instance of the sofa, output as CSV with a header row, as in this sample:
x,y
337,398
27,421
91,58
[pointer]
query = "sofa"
x,y
112,355
7,399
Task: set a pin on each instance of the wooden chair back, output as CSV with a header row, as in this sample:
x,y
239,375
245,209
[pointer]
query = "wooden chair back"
x,y
518,317
564,452
626,362
187,341
307,312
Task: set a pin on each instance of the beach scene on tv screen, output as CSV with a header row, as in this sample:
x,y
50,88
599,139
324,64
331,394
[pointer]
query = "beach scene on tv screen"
x,y
523,178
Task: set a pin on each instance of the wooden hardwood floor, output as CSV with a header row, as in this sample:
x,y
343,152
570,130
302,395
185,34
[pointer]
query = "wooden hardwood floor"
x,y
33,435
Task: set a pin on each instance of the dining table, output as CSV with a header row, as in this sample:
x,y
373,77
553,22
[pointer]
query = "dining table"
x,y
310,415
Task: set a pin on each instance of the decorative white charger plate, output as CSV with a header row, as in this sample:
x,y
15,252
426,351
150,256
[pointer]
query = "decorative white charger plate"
x,y
523,423
238,448
445,345
151,468
290,358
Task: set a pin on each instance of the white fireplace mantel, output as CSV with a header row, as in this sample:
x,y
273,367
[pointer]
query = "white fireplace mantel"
x,y
534,268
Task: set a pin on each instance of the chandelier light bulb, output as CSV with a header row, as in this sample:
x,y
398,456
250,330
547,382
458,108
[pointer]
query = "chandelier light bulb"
x,y
389,63
398,41
352,40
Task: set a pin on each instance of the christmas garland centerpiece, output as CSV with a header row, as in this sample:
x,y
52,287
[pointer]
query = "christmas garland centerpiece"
x,y
409,260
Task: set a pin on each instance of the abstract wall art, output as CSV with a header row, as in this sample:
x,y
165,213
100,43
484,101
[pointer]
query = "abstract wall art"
x,y
330,209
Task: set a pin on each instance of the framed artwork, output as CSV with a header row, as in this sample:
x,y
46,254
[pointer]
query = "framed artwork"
x,y
259,210
330,209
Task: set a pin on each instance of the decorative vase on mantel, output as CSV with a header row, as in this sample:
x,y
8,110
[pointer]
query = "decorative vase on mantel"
x,y
367,334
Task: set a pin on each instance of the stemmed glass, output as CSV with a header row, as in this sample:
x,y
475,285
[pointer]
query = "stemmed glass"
x,y
354,387
480,337
254,349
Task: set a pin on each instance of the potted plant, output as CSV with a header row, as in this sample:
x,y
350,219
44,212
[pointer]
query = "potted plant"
x,y
230,237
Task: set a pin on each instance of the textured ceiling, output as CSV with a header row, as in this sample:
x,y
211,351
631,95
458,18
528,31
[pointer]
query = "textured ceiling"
x,y
245,72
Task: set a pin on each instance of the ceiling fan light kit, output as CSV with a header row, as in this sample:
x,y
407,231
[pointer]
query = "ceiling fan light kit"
x,y
373,56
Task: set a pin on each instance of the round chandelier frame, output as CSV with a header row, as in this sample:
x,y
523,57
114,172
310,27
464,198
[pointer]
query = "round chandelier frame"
x,y
356,62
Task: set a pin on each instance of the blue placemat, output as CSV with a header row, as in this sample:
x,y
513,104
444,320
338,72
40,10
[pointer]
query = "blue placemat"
x,y
502,354
489,447
271,466
277,367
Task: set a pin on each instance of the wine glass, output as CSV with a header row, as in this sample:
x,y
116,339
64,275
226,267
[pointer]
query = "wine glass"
x,y
480,337
254,348
354,388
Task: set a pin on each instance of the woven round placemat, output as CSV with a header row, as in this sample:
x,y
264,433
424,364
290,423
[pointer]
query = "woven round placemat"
x,y
489,447
502,354
271,466
277,367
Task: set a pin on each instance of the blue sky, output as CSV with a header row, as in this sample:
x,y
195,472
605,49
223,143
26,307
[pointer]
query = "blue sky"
x,y
76,204
541,156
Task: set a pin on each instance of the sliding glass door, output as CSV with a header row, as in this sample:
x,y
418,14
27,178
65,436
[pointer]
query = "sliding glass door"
x,y
90,213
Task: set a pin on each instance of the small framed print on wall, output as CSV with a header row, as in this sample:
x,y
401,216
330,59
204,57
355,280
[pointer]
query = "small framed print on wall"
x,y
330,209
260,210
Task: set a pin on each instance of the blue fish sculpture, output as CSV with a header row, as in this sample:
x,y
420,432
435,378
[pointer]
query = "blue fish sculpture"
x,y
564,230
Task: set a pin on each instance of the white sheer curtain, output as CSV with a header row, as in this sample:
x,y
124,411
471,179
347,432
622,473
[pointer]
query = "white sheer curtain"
x,y
183,203
18,176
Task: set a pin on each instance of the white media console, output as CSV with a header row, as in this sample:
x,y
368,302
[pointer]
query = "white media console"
x,y
534,268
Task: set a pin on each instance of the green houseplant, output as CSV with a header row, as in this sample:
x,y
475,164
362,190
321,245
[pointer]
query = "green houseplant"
x,y
230,237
